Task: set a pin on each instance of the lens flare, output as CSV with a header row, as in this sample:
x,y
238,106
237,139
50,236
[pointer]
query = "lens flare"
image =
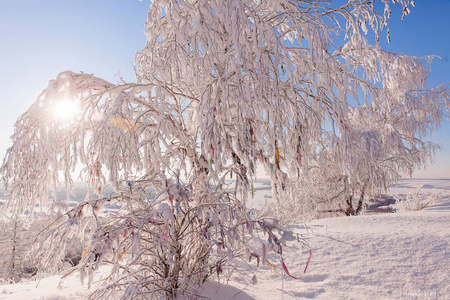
x,y
65,110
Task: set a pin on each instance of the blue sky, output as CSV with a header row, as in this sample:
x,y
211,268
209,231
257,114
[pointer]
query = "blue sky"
x,y
41,38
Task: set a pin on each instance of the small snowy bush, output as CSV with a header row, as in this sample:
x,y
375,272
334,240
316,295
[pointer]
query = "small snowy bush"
x,y
417,200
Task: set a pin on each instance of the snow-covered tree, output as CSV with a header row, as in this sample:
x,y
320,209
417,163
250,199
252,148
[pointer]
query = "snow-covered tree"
x,y
222,86
16,238
12,250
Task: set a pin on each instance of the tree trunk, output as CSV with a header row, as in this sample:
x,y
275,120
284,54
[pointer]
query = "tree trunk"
x,y
361,199
349,211
13,273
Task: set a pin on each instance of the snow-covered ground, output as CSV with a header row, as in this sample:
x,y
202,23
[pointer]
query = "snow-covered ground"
x,y
404,255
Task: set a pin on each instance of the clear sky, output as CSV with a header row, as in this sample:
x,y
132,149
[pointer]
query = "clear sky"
x,y
41,38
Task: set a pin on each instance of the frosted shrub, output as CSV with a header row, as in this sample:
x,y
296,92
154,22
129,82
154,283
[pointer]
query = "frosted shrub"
x,y
16,241
417,200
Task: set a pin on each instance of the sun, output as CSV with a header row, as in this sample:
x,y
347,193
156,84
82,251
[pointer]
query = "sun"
x,y
65,110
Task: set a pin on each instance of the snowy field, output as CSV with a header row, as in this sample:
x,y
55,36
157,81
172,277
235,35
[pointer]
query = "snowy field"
x,y
403,255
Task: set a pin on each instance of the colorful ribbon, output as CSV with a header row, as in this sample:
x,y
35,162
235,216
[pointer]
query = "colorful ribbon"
x,y
286,269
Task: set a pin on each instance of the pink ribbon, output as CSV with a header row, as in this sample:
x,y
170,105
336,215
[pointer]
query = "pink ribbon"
x,y
287,272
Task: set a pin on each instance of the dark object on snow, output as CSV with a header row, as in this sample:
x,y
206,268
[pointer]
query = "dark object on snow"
x,y
29,271
381,203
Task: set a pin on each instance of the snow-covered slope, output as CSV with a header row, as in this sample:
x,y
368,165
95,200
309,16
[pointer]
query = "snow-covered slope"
x,y
384,256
